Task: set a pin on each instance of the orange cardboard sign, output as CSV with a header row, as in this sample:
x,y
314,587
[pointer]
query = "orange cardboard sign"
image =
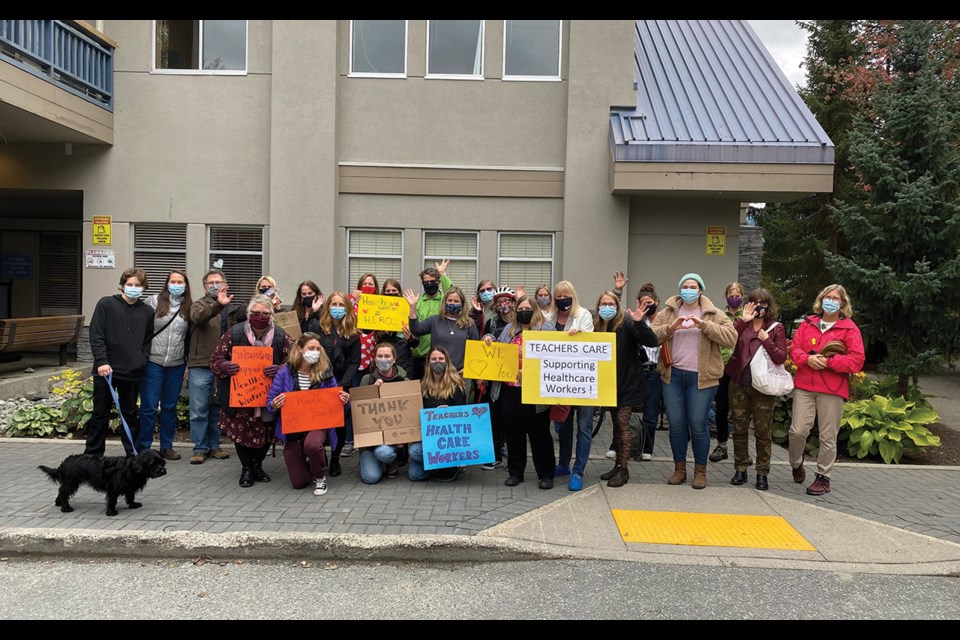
x,y
311,410
250,385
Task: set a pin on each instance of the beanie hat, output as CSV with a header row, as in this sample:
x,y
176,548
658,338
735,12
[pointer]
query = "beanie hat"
x,y
691,276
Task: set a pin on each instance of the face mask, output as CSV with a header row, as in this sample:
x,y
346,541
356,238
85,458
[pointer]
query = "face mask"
x,y
384,364
337,313
524,316
431,287
652,310
829,305
177,290
734,301
564,303
311,357
486,296
395,294
438,367
266,291
259,322
214,289
689,295
761,311
607,312
543,301
132,292
368,288
454,309
307,301
505,309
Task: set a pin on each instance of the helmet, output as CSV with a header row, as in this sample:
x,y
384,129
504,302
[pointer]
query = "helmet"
x,y
504,292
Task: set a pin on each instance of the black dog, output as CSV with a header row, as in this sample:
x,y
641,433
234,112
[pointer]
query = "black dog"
x,y
116,476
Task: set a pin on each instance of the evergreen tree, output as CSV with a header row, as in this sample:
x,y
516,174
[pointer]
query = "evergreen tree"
x,y
901,259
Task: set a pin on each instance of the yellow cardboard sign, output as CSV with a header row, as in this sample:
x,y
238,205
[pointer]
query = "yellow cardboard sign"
x,y
384,313
576,370
716,241
102,230
498,361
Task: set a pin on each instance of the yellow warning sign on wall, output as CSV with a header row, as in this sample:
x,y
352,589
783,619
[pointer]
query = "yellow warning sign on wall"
x,y
716,241
101,230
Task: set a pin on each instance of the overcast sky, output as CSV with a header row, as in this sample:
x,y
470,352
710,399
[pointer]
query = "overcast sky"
x,y
787,43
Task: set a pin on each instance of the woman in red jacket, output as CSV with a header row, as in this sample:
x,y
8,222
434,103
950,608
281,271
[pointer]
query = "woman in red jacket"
x,y
821,383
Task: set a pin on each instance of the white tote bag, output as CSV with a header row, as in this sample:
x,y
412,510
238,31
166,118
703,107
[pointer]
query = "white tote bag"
x,y
768,378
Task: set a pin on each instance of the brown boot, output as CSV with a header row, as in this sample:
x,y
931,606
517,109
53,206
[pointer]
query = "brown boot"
x,y
679,473
619,478
609,474
699,476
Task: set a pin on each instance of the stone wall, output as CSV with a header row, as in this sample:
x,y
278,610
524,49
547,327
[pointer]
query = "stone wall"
x,y
751,257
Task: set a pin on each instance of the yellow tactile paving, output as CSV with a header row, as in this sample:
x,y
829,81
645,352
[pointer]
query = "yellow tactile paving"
x,y
708,530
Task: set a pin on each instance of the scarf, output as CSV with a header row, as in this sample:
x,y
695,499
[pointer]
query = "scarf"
x,y
266,341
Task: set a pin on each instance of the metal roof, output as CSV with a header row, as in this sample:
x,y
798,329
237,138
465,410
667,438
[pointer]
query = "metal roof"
x,y
709,91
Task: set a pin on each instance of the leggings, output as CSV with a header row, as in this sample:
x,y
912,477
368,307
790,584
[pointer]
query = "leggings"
x,y
621,426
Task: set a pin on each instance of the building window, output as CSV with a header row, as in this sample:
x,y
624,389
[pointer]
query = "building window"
x,y
158,249
531,49
241,250
525,258
59,273
378,48
461,249
373,251
455,48
201,46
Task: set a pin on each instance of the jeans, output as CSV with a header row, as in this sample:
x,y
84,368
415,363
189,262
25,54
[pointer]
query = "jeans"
x,y
415,470
204,416
372,460
161,386
687,409
584,438
651,409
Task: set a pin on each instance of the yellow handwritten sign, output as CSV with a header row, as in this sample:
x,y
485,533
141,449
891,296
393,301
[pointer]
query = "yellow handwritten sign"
x,y
250,385
562,369
716,241
386,313
498,361
102,229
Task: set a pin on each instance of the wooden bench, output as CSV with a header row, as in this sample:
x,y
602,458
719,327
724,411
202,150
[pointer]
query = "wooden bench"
x,y
21,334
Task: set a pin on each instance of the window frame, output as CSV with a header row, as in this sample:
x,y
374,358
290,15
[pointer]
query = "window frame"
x,y
134,249
375,256
201,72
366,74
454,76
553,253
475,258
241,295
557,78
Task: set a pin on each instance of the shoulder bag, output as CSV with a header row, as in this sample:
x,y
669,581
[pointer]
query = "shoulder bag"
x,y
768,378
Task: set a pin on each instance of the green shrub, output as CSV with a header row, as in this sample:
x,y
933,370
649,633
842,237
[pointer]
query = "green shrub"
x,y
885,426
36,421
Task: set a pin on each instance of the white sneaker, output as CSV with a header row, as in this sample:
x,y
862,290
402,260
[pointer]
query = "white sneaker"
x,y
646,456
611,454
348,450
321,486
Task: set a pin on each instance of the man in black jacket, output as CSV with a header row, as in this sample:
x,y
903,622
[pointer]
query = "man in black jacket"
x,y
120,333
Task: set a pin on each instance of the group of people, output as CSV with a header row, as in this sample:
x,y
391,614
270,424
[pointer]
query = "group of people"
x,y
689,352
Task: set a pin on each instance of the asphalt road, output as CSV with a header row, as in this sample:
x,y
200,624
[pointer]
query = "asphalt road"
x,y
552,590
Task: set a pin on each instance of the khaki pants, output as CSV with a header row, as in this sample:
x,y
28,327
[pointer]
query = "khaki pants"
x,y
827,409
747,403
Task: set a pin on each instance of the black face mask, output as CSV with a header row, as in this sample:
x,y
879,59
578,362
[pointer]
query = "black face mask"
x,y
563,303
525,316
652,310
307,301
761,311
431,287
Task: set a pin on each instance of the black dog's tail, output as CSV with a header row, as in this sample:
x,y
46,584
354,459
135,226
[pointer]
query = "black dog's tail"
x,y
53,473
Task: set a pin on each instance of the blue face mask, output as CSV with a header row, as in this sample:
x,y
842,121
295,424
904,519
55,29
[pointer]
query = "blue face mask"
x,y
607,313
454,309
830,306
337,313
486,296
689,295
132,292
177,290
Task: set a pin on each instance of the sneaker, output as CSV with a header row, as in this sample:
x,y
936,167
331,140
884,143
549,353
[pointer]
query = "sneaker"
x,y
169,454
449,474
321,486
819,486
219,454
576,482
799,474
490,466
646,456
198,457
611,454
560,470
348,450
393,471
720,453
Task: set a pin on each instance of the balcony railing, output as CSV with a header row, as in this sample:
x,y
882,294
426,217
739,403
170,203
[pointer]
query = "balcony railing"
x,y
58,52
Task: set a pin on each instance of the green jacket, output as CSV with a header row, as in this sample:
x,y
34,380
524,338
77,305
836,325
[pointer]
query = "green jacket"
x,y
430,306
727,352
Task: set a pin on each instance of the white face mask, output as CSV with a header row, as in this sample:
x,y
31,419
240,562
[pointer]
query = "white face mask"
x,y
311,357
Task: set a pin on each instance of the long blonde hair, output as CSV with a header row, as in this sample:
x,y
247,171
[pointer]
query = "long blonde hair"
x,y
295,358
449,382
565,286
463,319
347,328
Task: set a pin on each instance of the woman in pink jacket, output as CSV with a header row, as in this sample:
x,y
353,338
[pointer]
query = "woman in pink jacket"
x,y
821,384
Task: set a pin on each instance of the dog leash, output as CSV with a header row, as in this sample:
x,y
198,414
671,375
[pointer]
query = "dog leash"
x,y
116,403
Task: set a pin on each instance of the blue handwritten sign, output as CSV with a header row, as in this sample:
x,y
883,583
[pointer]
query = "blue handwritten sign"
x,y
456,436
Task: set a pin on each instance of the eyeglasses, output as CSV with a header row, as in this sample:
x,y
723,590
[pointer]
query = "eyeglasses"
x,y
487,289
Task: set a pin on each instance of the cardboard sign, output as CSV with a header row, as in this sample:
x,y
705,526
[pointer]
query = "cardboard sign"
x,y
311,410
456,436
288,321
250,385
388,414
385,313
498,361
562,369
